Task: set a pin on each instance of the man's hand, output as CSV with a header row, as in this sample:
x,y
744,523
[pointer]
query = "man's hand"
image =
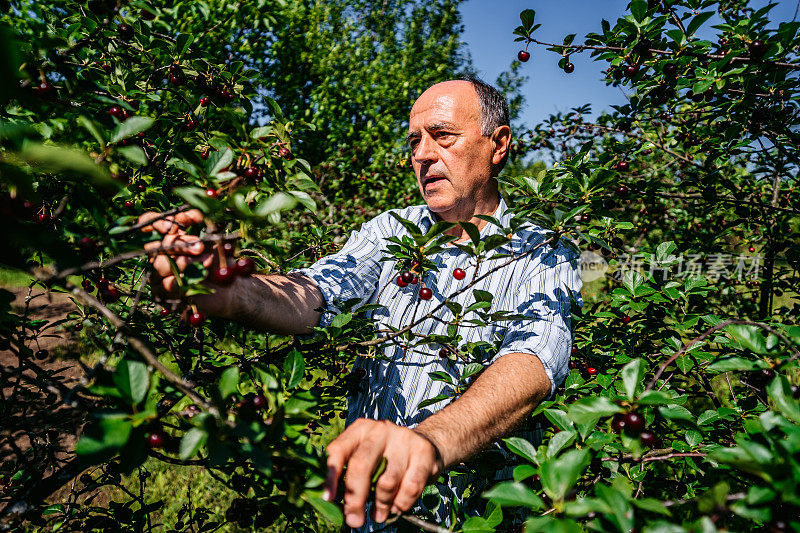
x,y
411,461
183,249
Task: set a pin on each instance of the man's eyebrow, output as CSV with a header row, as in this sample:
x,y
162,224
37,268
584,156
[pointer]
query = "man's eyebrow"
x,y
437,126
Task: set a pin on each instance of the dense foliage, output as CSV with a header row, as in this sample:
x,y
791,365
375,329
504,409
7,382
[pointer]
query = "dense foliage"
x,y
681,411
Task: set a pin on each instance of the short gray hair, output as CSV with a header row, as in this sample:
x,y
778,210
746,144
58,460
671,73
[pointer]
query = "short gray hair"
x,y
494,108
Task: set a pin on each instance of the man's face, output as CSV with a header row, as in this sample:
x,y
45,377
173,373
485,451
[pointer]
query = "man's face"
x,y
452,160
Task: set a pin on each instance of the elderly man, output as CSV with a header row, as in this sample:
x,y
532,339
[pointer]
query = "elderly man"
x,y
459,139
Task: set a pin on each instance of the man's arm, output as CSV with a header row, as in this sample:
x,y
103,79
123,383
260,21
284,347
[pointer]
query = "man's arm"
x,y
502,397
277,303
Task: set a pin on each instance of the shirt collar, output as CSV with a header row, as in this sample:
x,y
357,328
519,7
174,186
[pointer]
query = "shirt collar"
x,y
429,218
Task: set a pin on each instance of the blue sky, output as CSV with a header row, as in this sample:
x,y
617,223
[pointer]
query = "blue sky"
x,y
488,33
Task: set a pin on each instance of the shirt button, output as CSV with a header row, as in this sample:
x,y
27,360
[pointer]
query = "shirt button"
x,y
399,390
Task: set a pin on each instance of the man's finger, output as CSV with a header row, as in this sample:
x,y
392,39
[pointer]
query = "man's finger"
x,y
413,483
179,222
388,483
358,480
339,452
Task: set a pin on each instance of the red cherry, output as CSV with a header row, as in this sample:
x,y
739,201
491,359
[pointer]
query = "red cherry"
x,y
251,173
117,112
41,354
43,218
106,68
128,204
78,326
205,101
212,193
618,423
175,79
156,440
631,70
196,319
191,124
400,282
752,249
634,423
285,153
414,280
407,277
111,294
125,31
574,350
623,190
625,319
45,89
459,274
444,352
88,286
523,55
757,49
623,166
259,402
164,312
204,154
425,293
648,439
222,276
103,283
244,266
569,68
592,371
586,218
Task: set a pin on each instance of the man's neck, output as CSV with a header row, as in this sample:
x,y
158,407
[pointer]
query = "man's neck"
x,y
483,208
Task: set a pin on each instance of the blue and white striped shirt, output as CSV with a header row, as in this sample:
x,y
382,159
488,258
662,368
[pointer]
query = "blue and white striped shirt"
x,y
540,285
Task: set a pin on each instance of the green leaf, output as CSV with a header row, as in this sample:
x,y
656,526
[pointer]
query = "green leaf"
x,y
60,159
182,43
94,128
105,437
588,409
698,21
559,475
132,379
522,447
523,472
632,375
341,319
192,441
294,368
477,524
780,391
328,511
749,337
442,376
472,231
527,17
733,364
229,382
219,160
513,494
129,128
471,369
134,154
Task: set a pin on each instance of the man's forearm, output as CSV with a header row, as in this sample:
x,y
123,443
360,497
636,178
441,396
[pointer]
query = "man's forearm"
x,y
502,397
276,303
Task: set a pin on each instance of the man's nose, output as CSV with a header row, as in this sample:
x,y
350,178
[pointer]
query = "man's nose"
x,y
425,152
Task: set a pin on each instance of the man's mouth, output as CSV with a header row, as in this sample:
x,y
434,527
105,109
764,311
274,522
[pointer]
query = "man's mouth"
x,y
431,178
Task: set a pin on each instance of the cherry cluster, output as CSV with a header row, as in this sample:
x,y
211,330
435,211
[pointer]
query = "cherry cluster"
x,y
633,424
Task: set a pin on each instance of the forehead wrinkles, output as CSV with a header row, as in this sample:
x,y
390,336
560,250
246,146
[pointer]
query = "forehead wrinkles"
x,y
462,112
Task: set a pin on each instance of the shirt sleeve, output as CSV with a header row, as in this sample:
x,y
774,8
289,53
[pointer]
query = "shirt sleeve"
x,y
352,272
546,295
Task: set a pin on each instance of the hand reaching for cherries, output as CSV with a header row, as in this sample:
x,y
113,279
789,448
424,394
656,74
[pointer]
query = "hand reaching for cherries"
x,y
177,246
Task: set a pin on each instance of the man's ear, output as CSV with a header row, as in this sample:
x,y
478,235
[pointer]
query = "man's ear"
x,y
501,141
